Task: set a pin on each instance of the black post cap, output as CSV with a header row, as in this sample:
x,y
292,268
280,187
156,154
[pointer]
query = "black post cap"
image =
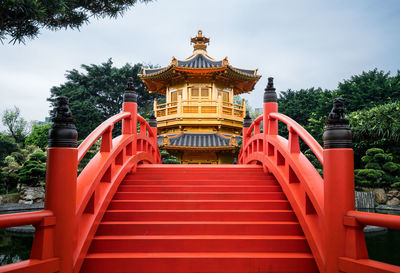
x,y
130,92
270,94
63,131
337,131
152,120
247,120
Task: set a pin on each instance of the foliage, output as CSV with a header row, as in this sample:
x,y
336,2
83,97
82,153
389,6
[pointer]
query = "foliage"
x,y
254,113
7,146
314,161
379,122
379,170
97,94
33,171
89,154
39,136
16,126
9,174
369,89
24,19
167,158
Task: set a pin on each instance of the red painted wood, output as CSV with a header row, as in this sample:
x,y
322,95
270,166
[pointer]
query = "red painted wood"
x,y
227,225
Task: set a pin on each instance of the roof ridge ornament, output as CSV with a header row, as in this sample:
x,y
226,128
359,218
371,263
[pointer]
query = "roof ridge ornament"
x,y
174,61
200,42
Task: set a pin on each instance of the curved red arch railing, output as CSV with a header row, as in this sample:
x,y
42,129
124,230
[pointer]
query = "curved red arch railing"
x,y
283,158
98,182
304,188
92,190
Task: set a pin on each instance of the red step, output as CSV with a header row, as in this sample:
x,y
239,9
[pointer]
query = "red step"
x,y
198,243
199,215
198,228
199,196
199,204
198,188
176,219
195,262
211,181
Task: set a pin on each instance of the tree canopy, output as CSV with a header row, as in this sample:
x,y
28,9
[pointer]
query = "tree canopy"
x,y
369,89
24,19
97,94
16,126
39,136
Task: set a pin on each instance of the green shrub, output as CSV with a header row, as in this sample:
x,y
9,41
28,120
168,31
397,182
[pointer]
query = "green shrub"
x,y
391,167
373,165
374,151
395,185
366,158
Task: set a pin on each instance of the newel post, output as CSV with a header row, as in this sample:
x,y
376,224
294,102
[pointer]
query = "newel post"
x,y
153,125
129,126
270,106
338,183
246,124
61,182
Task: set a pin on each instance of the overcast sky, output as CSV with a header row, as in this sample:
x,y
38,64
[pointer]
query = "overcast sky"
x,y
300,43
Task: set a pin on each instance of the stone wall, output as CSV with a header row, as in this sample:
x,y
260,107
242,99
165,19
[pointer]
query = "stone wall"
x,y
390,198
365,200
31,195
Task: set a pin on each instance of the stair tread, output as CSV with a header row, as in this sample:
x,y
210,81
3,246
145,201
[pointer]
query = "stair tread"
x,y
200,237
200,200
200,210
199,222
254,255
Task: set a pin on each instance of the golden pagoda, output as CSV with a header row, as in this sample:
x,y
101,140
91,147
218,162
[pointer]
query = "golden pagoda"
x,y
200,123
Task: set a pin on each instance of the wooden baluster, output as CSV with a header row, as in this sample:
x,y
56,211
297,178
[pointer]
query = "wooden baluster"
x,y
257,129
106,140
294,146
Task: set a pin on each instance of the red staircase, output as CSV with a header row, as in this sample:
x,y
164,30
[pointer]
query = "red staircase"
x,y
169,218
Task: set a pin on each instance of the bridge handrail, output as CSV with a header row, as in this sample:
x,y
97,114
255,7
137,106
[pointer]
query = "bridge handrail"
x,y
265,147
334,230
24,218
146,125
294,127
254,124
375,219
98,132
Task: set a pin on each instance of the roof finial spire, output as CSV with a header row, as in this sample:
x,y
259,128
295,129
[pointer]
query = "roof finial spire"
x,y
200,42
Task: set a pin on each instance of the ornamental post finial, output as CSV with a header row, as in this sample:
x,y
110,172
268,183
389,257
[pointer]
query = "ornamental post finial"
x,y
270,94
200,42
337,131
130,94
63,131
247,120
152,120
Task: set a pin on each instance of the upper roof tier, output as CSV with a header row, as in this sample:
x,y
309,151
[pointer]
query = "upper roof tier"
x,y
199,67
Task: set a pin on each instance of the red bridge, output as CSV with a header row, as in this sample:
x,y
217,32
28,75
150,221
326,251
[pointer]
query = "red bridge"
x,y
125,212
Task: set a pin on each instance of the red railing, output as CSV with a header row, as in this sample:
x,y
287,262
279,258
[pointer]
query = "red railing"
x,y
75,205
323,206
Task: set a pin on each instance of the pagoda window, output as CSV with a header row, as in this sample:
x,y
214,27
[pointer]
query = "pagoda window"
x,y
199,93
224,95
175,94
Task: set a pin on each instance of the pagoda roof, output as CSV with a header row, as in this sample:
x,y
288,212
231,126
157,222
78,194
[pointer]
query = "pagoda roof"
x,y
199,64
198,140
